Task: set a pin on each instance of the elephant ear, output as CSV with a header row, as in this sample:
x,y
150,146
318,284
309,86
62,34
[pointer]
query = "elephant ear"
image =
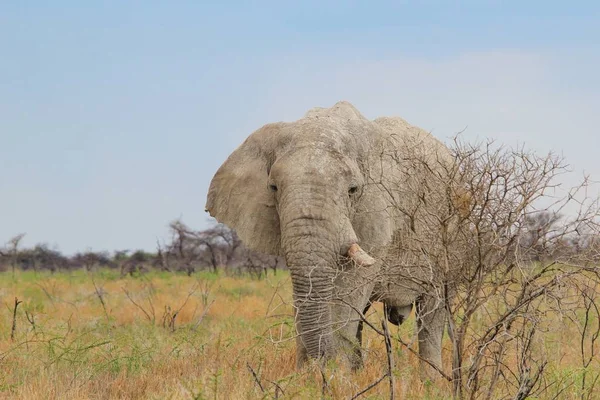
x,y
239,197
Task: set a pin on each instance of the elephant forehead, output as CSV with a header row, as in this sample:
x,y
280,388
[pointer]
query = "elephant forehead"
x,y
349,139
313,161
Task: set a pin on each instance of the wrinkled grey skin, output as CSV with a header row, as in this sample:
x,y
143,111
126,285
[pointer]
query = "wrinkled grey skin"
x,y
308,190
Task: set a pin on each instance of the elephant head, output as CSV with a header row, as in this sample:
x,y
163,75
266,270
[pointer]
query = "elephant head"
x,y
311,191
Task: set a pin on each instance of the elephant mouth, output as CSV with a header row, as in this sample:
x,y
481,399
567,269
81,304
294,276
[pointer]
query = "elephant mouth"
x,y
359,256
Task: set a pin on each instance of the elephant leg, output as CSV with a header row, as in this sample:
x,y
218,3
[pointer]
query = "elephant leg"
x,y
301,353
360,325
431,318
349,336
394,314
360,330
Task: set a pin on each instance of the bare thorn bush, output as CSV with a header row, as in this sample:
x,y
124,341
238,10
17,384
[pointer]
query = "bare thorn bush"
x,y
494,239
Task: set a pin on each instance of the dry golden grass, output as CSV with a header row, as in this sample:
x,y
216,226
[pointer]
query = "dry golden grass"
x,y
76,350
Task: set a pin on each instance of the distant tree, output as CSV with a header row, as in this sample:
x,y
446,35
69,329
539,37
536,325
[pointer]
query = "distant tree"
x,y
11,253
41,257
538,234
137,261
216,247
185,248
90,259
187,251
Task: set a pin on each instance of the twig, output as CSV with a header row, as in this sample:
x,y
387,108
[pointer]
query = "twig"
x,y
14,321
52,297
255,377
176,313
371,386
390,358
31,319
278,389
197,324
100,296
325,385
138,306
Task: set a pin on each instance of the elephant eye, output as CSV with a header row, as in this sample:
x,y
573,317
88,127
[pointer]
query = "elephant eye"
x,y
273,188
353,189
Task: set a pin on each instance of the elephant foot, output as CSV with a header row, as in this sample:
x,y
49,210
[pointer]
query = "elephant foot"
x,y
350,353
428,372
301,354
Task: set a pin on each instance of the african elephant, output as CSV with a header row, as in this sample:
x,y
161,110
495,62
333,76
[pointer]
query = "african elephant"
x,y
314,192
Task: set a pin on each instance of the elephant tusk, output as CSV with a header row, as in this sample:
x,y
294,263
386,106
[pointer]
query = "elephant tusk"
x,y
359,256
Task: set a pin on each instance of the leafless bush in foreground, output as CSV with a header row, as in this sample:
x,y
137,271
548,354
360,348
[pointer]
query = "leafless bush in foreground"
x,y
510,256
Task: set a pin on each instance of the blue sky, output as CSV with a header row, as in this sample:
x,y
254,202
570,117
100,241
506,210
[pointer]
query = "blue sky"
x,y
114,116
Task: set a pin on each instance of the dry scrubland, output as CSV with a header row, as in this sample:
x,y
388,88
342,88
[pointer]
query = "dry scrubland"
x,y
68,346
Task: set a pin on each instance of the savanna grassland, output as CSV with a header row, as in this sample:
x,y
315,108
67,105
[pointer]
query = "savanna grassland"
x,y
84,335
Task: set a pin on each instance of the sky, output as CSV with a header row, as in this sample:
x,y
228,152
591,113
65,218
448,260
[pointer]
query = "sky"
x,y
114,115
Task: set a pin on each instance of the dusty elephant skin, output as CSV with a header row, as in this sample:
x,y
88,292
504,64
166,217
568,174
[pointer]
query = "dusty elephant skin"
x,y
314,191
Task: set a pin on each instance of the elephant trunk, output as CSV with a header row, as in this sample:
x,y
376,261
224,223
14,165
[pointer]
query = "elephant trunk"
x,y
312,272
312,300
315,232
318,309
310,240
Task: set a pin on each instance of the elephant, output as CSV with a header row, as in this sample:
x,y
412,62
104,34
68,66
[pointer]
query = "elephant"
x,y
314,191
